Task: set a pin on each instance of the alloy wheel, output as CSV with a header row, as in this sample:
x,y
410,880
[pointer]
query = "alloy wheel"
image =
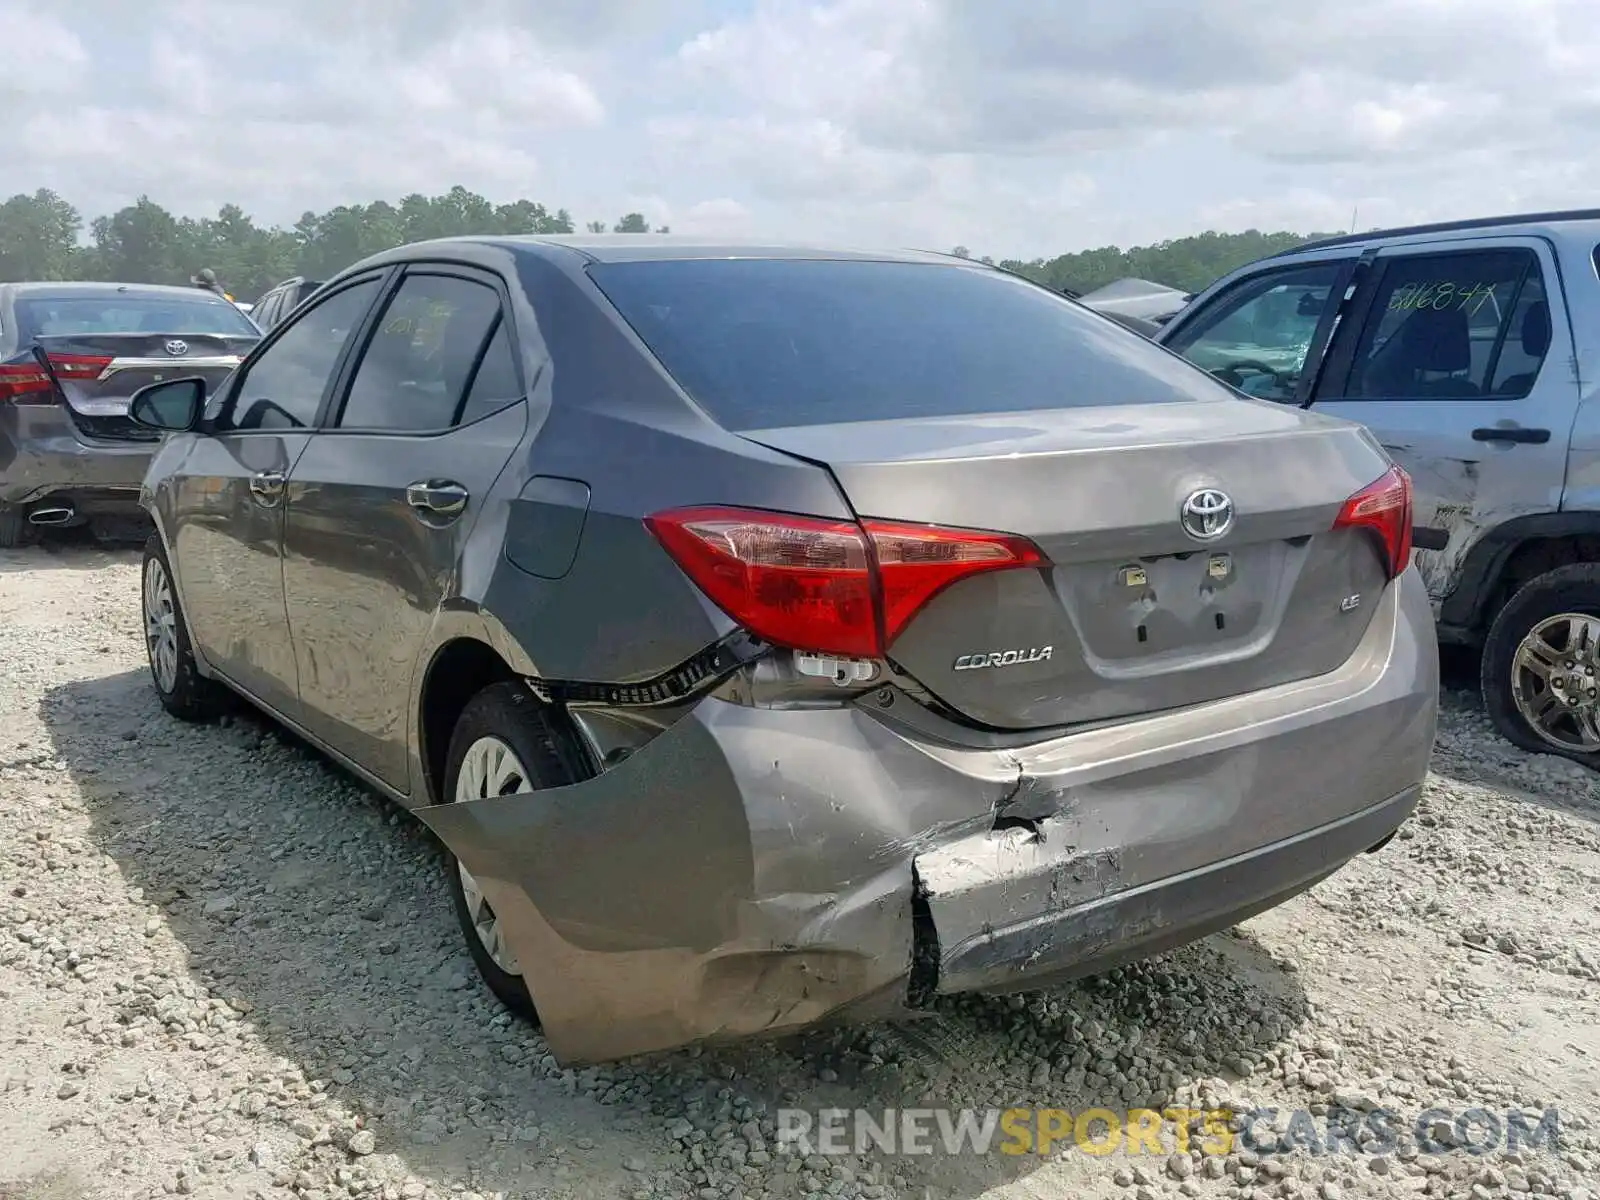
x,y
1555,681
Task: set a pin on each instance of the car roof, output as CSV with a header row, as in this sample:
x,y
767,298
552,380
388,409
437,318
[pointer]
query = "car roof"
x,y
647,247
1582,222
66,289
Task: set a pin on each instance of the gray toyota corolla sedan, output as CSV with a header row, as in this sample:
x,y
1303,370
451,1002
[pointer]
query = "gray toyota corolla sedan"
x,y
774,634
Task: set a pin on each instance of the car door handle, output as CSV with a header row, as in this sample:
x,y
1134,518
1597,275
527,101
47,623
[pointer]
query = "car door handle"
x,y
1512,433
267,487
437,497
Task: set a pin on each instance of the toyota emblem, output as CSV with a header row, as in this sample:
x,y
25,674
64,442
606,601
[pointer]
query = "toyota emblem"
x,y
177,347
1206,514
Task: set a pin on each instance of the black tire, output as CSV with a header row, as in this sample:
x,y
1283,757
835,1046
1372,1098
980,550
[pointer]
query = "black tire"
x,y
12,527
1573,589
510,713
192,697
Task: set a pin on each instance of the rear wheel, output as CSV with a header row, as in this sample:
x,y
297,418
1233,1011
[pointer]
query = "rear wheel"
x,y
11,527
503,744
1541,665
184,692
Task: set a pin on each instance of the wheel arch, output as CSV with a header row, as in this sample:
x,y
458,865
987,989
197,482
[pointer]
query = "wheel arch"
x,y
1508,557
459,668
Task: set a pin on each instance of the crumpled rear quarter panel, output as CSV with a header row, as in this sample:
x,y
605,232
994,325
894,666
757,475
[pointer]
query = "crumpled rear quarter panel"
x,y
746,871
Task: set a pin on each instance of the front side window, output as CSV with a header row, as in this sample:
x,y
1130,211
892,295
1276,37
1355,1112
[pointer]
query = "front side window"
x,y
1257,334
1458,325
419,363
283,388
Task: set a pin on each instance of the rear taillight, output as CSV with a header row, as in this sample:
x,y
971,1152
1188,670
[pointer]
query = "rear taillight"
x,y
1384,507
831,587
24,380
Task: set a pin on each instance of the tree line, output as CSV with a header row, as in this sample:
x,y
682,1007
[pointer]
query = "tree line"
x,y
44,237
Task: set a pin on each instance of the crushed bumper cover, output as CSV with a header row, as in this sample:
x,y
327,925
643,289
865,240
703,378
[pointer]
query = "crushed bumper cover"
x,y
754,871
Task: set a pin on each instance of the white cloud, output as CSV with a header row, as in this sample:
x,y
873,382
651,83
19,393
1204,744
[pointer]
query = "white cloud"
x,y
44,57
1012,129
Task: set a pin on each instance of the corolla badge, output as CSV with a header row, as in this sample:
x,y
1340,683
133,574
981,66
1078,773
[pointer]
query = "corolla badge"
x,y
1002,658
177,347
1206,514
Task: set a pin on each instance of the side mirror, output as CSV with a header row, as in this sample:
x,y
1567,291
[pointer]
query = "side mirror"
x,y
173,406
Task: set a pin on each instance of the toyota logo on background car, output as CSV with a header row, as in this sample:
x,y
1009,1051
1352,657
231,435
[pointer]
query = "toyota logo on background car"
x,y
177,347
1206,514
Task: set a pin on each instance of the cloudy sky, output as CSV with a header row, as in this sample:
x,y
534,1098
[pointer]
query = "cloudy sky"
x,y
1015,127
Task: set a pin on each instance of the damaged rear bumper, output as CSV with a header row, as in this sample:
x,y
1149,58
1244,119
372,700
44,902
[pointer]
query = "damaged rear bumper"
x,y
754,870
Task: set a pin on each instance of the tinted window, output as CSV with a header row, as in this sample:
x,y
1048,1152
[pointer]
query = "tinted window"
x,y
1256,335
497,382
116,312
763,343
275,308
1440,326
284,387
417,366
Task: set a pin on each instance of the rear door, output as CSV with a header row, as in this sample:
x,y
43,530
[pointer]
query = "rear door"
x,y
223,514
380,503
1458,356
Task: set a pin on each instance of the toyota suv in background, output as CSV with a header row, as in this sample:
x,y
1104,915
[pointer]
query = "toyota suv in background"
x,y
778,633
1471,350
278,302
71,355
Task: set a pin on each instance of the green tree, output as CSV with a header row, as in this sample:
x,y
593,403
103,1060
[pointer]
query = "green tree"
x,y
1189,263
38,236
42,237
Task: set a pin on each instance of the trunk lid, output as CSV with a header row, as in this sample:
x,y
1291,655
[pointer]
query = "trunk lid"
x,y
1134,615
98,373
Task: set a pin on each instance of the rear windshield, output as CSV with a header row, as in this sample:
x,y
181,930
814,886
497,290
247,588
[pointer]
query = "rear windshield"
x,y
116,312
768,343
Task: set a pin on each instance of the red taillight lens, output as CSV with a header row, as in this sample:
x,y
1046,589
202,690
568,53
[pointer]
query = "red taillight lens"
x,y
1384,507
916,562
832,587
24,380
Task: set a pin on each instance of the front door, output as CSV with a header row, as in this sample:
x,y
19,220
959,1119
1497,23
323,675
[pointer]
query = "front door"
x,y
1456,359
226,509
381,502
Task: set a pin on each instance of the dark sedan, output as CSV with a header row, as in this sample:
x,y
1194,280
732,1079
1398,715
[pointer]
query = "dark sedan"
x,y
71,355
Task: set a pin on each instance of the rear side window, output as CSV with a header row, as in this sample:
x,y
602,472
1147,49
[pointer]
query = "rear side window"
x,y
419,362
496,382
768,343
1460,325
115,312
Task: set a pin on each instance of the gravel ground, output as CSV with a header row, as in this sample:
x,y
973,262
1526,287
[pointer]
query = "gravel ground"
x,y
226,970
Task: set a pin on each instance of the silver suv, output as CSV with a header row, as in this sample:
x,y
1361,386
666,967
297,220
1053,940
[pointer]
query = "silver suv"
x,y
1472,351
775,633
